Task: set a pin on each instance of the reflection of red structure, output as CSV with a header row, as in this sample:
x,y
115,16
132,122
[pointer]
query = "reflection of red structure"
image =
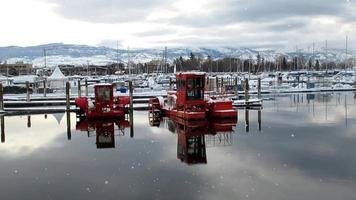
x,y
105,130
189,101
104,105
191,146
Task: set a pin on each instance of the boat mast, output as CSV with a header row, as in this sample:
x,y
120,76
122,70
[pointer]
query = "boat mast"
x,y
326,55
347,38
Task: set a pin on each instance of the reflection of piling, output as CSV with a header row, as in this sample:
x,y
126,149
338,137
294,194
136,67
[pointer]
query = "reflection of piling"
x,y
247,120
67,96
79,89
1,97
170,83
2,129
27,91
259,88
86,87
131,109
44,88
259,120
69,134
29,121
246,90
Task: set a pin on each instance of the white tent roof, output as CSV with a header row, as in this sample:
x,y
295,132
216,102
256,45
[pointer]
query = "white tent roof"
x,y
57,75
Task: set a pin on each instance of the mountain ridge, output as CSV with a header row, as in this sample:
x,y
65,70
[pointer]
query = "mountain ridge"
x,y
60,53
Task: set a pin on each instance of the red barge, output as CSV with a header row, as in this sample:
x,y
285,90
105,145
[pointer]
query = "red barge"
x,y
189,101
105,104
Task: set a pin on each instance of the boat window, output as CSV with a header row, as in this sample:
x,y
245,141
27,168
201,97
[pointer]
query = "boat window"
x,y
104,94
190,83
194,94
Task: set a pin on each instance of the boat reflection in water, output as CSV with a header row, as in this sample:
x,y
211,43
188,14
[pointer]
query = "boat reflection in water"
x,y
193,137
103,130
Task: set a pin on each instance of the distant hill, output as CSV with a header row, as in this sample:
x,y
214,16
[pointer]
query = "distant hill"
x,y
59,53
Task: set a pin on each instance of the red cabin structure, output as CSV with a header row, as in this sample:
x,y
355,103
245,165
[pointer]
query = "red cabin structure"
x,y
104,129
189,101
105,104
193,137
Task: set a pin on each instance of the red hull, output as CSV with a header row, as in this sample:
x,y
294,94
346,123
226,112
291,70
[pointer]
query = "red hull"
x,y
186,115
231,113
111,114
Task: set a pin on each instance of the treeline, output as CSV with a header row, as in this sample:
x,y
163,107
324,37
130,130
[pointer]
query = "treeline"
x,y
258,64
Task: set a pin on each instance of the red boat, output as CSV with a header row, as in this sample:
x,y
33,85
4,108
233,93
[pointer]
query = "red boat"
x,y
192,137
105,105
189,101
104,129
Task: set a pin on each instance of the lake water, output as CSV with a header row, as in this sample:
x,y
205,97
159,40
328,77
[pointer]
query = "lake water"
x,y
298,147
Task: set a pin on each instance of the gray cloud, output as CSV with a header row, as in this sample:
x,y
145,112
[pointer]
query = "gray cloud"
x,y
106,11
272,22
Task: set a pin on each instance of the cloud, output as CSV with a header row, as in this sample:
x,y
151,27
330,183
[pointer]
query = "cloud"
x,y
248,23
106,11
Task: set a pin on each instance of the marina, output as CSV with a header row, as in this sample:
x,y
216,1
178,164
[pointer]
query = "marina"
x,y
314,154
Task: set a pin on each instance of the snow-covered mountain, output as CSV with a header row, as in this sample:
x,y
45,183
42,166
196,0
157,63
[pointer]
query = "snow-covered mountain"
x,y
59,53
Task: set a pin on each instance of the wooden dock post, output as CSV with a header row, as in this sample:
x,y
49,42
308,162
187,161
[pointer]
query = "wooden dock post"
x,y
1,97
86,87
2,128
247,87
45,87
259,120
222,84
79,89
28,91
29,121
131,109
170,83
67,96
69,134
247,120
235,87
259,88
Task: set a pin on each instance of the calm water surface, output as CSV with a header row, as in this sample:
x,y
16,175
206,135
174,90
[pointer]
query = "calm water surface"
x,y
303,148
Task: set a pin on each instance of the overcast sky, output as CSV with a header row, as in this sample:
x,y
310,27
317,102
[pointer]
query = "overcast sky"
x,y
195,23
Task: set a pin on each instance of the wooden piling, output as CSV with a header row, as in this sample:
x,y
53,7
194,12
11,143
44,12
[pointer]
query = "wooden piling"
x,y
1,97
259,88
131,109
27,91
86,87
69,133
67,96
170,83
235,86
259,120
247,87
247,120
29,121
45,87
79,89
2,128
